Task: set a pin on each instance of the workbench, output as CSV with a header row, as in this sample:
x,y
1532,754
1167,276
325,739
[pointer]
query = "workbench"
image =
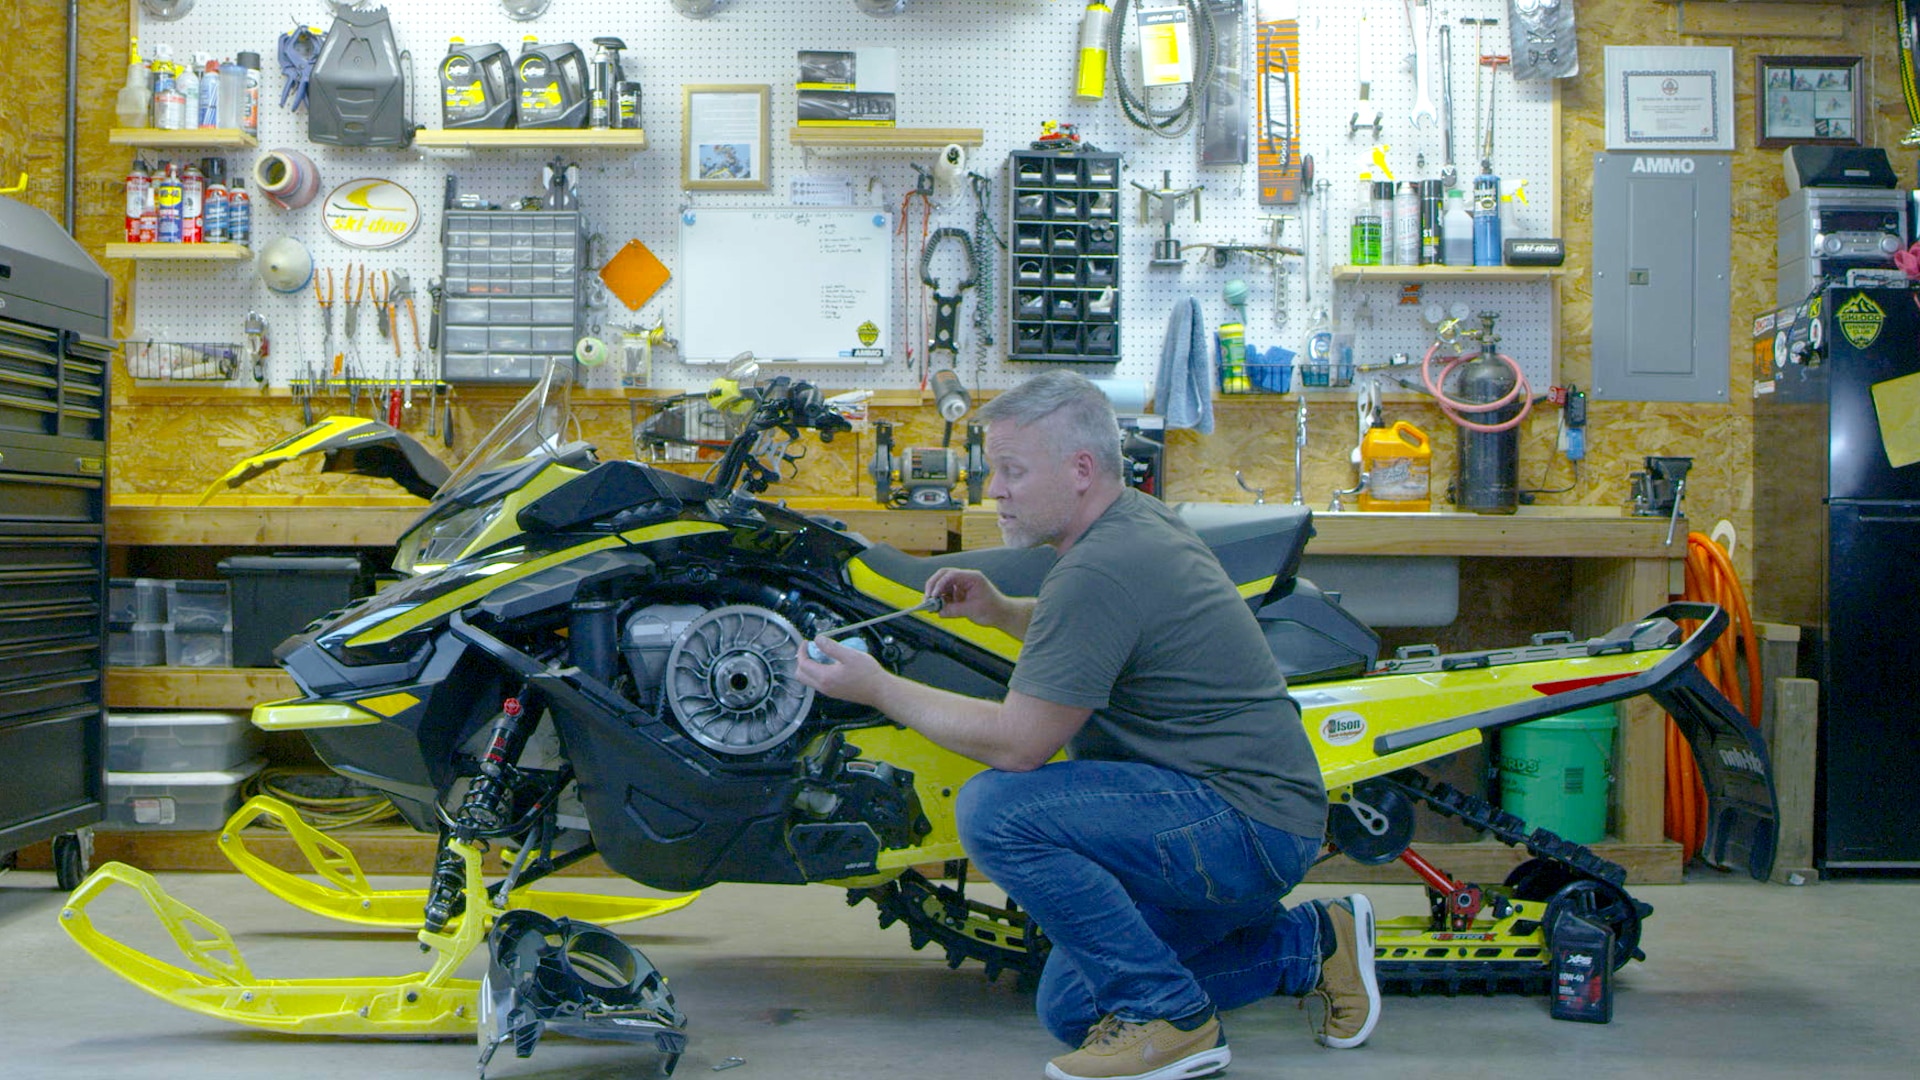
x,y
1621,568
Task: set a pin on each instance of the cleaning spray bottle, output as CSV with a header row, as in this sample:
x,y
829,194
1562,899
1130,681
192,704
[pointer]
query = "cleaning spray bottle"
x,y
133,104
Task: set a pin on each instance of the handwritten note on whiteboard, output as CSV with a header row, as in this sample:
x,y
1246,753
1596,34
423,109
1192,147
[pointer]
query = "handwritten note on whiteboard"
x,y
802,284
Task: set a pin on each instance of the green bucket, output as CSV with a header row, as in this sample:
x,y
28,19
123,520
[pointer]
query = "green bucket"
x,y
1555,773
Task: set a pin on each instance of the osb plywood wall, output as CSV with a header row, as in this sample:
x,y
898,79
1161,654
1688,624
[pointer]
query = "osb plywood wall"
x,y
178,446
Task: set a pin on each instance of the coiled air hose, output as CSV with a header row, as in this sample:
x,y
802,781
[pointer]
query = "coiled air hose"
x,y
1711,578
325,801
1177,121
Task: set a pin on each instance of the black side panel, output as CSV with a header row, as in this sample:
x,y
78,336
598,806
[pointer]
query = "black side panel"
x,y
608,489
1014,571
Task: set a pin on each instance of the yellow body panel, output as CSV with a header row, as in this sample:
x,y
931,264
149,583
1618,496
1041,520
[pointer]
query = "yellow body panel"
x,y
296,715
870,582
389,705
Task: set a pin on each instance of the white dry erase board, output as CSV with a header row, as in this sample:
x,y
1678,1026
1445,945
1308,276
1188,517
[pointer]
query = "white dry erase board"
x,y
804,284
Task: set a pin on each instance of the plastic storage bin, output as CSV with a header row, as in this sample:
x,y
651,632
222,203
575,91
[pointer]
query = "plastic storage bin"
x,y
146,742
139,645
198,605
276,596
199,648
177,801
1555,773
136,600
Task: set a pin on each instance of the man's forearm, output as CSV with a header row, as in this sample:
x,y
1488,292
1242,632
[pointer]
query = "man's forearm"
x,y
1015,616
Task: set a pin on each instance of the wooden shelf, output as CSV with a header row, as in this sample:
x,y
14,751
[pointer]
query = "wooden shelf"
x,y
535,139
883,138
315,521
181,252
1447,273
183,138
196,688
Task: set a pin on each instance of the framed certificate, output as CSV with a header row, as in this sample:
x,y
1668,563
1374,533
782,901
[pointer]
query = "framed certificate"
x,y
1669,98
724,131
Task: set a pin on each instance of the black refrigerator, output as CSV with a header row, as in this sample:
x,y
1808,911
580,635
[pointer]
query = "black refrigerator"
x,y
1837,550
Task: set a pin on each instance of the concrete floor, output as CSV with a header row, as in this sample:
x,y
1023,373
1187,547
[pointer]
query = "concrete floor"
x,y
1743,980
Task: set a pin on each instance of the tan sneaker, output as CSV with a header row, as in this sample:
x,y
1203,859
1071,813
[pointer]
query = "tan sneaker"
x,y
1347,981
1155,1050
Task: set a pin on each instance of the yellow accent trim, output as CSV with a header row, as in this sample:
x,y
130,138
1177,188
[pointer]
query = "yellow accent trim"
x,y
888,591
296,715
342,893
474,590
389,705
1256,588
507,522
313,438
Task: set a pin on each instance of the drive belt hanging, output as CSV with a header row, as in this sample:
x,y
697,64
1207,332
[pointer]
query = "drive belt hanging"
x,y
946,306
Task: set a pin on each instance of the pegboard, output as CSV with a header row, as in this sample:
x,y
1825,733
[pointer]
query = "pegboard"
x,y
1000,65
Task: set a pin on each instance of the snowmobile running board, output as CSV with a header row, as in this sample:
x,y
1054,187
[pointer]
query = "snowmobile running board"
x,y
430,1003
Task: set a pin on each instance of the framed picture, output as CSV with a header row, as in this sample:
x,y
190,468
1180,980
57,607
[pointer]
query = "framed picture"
x,y
1809,99
724,129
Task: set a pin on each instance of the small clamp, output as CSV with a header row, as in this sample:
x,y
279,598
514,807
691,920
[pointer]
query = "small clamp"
x,y
299,51
946,311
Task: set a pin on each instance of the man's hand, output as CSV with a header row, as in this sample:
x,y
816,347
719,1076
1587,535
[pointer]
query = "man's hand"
x,y
968,594
853,675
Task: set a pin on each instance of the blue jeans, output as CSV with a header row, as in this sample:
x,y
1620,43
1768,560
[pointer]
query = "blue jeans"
x,y
1159,897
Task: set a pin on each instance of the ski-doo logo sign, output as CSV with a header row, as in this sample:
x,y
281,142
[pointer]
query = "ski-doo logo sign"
x,y
1343,728
1670,166
1743,759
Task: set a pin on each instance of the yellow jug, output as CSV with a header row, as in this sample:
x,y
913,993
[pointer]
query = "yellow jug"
x,y
1397,461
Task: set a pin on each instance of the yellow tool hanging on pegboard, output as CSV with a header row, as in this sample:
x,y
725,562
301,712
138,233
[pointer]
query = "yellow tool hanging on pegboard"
x,y
1277,48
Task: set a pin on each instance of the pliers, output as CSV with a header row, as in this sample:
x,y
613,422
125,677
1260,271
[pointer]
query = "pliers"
x,y
299,50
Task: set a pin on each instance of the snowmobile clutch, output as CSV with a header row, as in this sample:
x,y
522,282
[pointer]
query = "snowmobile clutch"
x,y
342,892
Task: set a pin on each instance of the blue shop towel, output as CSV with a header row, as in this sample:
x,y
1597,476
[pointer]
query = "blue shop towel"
x,y
1184,392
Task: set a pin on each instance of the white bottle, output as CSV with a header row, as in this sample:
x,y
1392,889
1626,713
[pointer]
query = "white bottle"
x,y
190,87
1456,235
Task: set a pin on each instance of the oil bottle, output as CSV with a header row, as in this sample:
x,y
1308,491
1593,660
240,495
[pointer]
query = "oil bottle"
x,y
1398,461
552,81
476,86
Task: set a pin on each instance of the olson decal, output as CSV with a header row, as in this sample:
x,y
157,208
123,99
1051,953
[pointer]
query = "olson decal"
x,y
1343,728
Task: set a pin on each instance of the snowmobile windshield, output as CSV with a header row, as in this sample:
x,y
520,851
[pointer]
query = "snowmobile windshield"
x,y
537,426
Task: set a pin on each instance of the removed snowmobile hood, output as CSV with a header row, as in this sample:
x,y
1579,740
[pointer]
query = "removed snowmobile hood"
x,y
351,445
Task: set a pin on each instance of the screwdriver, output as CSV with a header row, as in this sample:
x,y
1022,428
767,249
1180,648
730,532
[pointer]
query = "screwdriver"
x,y
931,603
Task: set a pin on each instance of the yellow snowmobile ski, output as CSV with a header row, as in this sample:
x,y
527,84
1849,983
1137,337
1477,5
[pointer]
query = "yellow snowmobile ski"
x,y
345,895
430,1003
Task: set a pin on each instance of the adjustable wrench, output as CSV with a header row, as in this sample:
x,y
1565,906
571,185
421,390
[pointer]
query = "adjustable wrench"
x,y
1424,114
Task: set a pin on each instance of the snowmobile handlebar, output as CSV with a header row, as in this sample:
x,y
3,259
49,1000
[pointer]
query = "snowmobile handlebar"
x,y
784,405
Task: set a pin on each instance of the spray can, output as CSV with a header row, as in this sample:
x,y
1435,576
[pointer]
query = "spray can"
x,y
1432,195
250,92
139,193
166,203
209,96
1486,220
1090,78
218,201
169,104
1363,238
475,86
193,193
1406,224
239,213
1383,209
603,109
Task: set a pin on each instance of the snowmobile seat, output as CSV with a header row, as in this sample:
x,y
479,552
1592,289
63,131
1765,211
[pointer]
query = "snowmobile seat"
x,y
1252,541
1014,571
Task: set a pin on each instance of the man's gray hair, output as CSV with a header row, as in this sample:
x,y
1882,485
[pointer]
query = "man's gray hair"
x,y
1074,413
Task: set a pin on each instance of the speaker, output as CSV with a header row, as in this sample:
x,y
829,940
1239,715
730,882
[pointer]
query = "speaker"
x,y
1838,166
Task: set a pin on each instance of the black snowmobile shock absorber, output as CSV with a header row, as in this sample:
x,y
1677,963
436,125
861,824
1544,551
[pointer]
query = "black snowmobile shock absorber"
x,y
487,808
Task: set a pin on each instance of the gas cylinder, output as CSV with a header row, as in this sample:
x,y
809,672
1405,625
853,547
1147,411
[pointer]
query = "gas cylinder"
x,y
1486,477
1398,462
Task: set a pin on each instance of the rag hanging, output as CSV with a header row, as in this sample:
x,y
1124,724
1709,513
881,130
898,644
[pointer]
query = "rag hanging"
x,y
1184,391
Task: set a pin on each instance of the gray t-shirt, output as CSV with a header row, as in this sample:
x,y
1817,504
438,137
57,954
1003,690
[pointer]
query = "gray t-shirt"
x,y
1138,622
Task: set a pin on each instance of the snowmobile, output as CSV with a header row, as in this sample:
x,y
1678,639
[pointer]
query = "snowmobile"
x,y
597,657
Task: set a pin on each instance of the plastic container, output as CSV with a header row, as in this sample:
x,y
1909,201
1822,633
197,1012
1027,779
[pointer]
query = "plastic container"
x,y
1398,461
1555,773
476,86
552,85
198,605
176,801
146,742
199,648
139,645
276,596
1582,966
136,600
